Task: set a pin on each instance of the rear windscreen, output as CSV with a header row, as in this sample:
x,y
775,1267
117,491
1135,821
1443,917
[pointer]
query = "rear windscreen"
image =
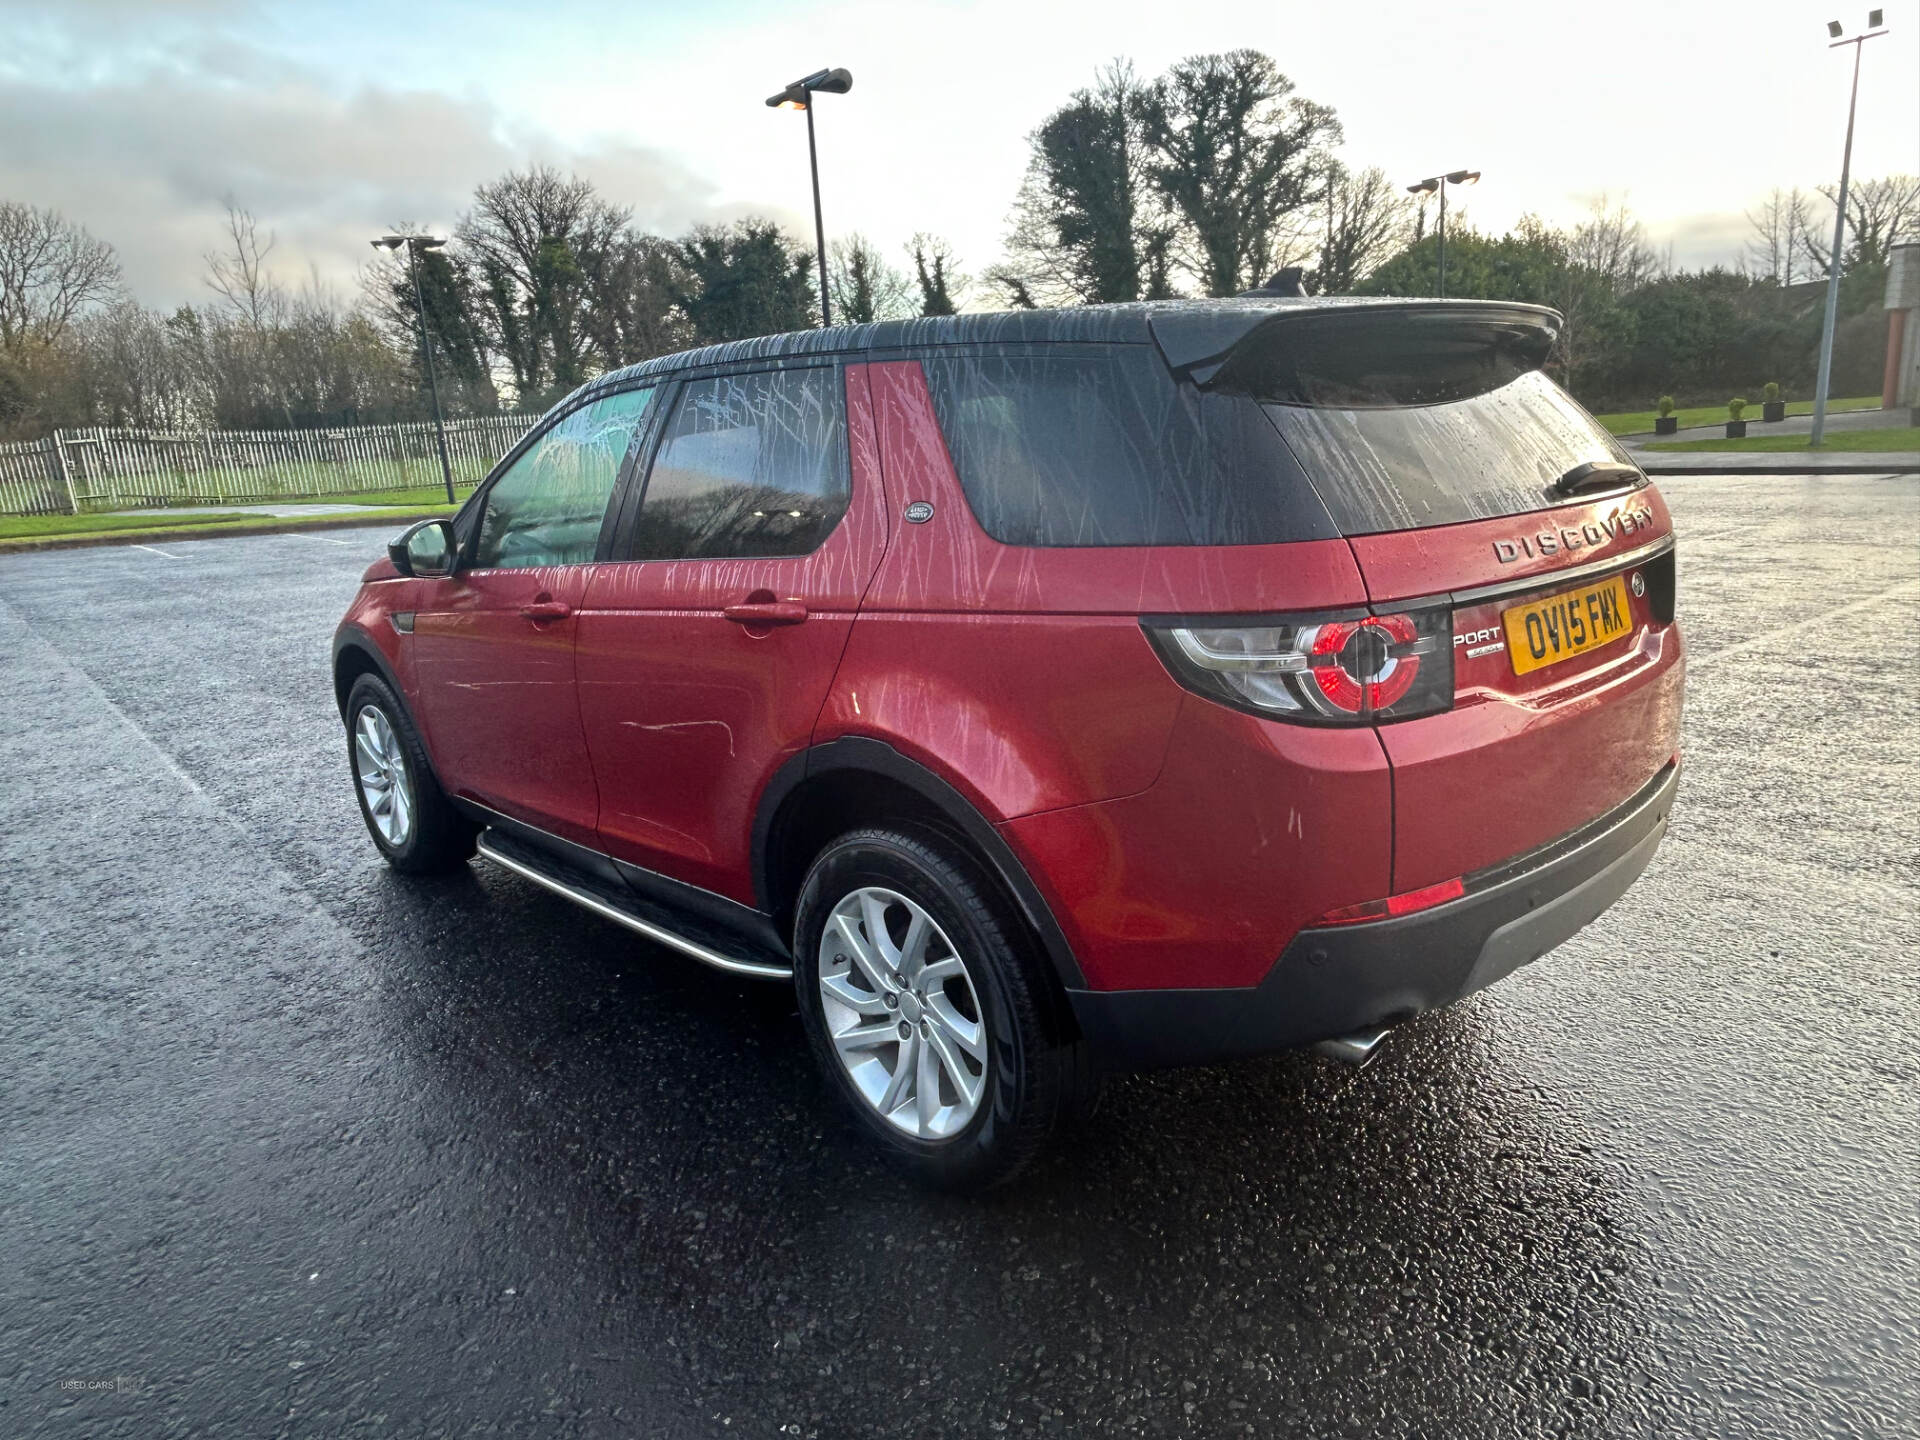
x,y
1080,445
1424,417
1475,459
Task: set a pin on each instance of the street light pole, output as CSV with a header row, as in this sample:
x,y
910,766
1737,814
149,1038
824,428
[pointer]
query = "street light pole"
x,y
799,96
819,225
415,244
1822,381
1440,183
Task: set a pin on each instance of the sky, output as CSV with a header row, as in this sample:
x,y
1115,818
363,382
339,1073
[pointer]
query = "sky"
x,y
335,122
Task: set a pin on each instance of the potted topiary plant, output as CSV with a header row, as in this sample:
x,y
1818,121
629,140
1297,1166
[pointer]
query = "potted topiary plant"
x,y
1736,427
1666,422
1772,407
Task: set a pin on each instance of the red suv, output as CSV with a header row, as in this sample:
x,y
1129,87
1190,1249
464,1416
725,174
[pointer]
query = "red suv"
x,y
1049,692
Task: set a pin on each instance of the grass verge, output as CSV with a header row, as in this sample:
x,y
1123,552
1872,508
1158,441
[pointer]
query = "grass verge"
x,y
31,532
1839,442
1640,422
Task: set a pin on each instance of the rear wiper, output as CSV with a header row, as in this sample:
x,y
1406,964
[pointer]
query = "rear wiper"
x,y
1597,475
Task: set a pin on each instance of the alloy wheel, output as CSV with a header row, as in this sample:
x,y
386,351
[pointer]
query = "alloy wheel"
x,y
382,771
902,1013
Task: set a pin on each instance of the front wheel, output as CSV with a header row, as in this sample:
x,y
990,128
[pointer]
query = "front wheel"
x,y
926,1006
407,813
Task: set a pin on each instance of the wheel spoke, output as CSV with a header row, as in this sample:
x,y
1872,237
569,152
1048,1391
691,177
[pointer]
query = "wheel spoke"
x,y
965,1083
926,1087
968,1034
940,970
866,1037
402,811
862,956
913,949
842,989
900,1087
873,910
382,803
370,758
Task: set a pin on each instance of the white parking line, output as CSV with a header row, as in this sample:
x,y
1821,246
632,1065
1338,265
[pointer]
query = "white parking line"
x,y
156,550
323,539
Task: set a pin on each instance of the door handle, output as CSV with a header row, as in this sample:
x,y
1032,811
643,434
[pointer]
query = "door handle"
x,y
540,610
767,612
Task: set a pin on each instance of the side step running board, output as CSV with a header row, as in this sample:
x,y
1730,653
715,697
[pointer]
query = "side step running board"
x,y
606,910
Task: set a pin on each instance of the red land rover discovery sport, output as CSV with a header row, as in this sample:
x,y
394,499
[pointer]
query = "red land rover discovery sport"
x,y
1050,692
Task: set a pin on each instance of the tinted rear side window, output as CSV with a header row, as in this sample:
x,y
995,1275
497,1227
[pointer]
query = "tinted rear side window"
x,y
1088,445
750,465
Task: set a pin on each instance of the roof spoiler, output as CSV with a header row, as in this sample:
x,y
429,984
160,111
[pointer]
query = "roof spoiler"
x,y
1198,341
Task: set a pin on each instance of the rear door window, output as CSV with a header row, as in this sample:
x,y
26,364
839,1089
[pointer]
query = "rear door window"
x,y
1083,445
749,465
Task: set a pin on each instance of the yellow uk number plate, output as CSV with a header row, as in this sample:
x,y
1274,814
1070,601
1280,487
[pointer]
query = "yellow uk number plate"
x,y
1544,632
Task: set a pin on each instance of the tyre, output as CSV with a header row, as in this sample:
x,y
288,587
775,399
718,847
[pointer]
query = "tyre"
x,y
928,1008
407,813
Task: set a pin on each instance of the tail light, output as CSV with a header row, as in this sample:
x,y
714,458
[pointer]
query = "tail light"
x,y
1344,669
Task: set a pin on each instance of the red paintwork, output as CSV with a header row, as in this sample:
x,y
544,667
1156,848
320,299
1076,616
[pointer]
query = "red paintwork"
x,y
1021,676
497,693
1178,842
1410,563
1521,760
1252,829
689,714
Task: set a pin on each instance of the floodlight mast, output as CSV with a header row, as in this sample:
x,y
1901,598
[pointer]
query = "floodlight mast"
x,y
1824,377
414,245
799,96
1440,183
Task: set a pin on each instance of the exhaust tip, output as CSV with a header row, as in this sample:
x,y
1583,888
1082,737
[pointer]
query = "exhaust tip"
x,y
1356,1049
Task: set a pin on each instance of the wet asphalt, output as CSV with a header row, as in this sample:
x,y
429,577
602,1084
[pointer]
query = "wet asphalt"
x,y
295,1146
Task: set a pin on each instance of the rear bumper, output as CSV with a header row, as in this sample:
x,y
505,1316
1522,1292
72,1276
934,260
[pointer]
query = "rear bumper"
x,y
1333,982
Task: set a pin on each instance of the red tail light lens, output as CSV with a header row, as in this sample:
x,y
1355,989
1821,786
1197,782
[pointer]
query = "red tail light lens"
x,y
1408,902
1319,670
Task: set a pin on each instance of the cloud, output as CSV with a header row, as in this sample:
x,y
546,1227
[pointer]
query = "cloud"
x,y
145,155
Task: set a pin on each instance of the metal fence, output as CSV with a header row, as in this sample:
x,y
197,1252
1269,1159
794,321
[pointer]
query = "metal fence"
x,y
106,469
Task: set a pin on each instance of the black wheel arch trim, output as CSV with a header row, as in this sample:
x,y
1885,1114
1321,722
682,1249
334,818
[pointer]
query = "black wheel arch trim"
x,y
354,637
876,757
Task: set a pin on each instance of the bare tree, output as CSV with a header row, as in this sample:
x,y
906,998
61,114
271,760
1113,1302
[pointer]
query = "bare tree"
x,y
865,287
237,273
50,271
1880,213
1613,246
1368,219
1778,247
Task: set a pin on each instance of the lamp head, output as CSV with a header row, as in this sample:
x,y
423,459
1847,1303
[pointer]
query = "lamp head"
x,y
1424,187
1463,177
1875,18
1833,29
827,82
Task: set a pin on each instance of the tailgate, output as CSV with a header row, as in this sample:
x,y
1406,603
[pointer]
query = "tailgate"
x,y
1567,678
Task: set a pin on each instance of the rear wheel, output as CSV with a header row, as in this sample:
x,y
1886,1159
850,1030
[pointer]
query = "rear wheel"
x,y
407,813
926,1007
